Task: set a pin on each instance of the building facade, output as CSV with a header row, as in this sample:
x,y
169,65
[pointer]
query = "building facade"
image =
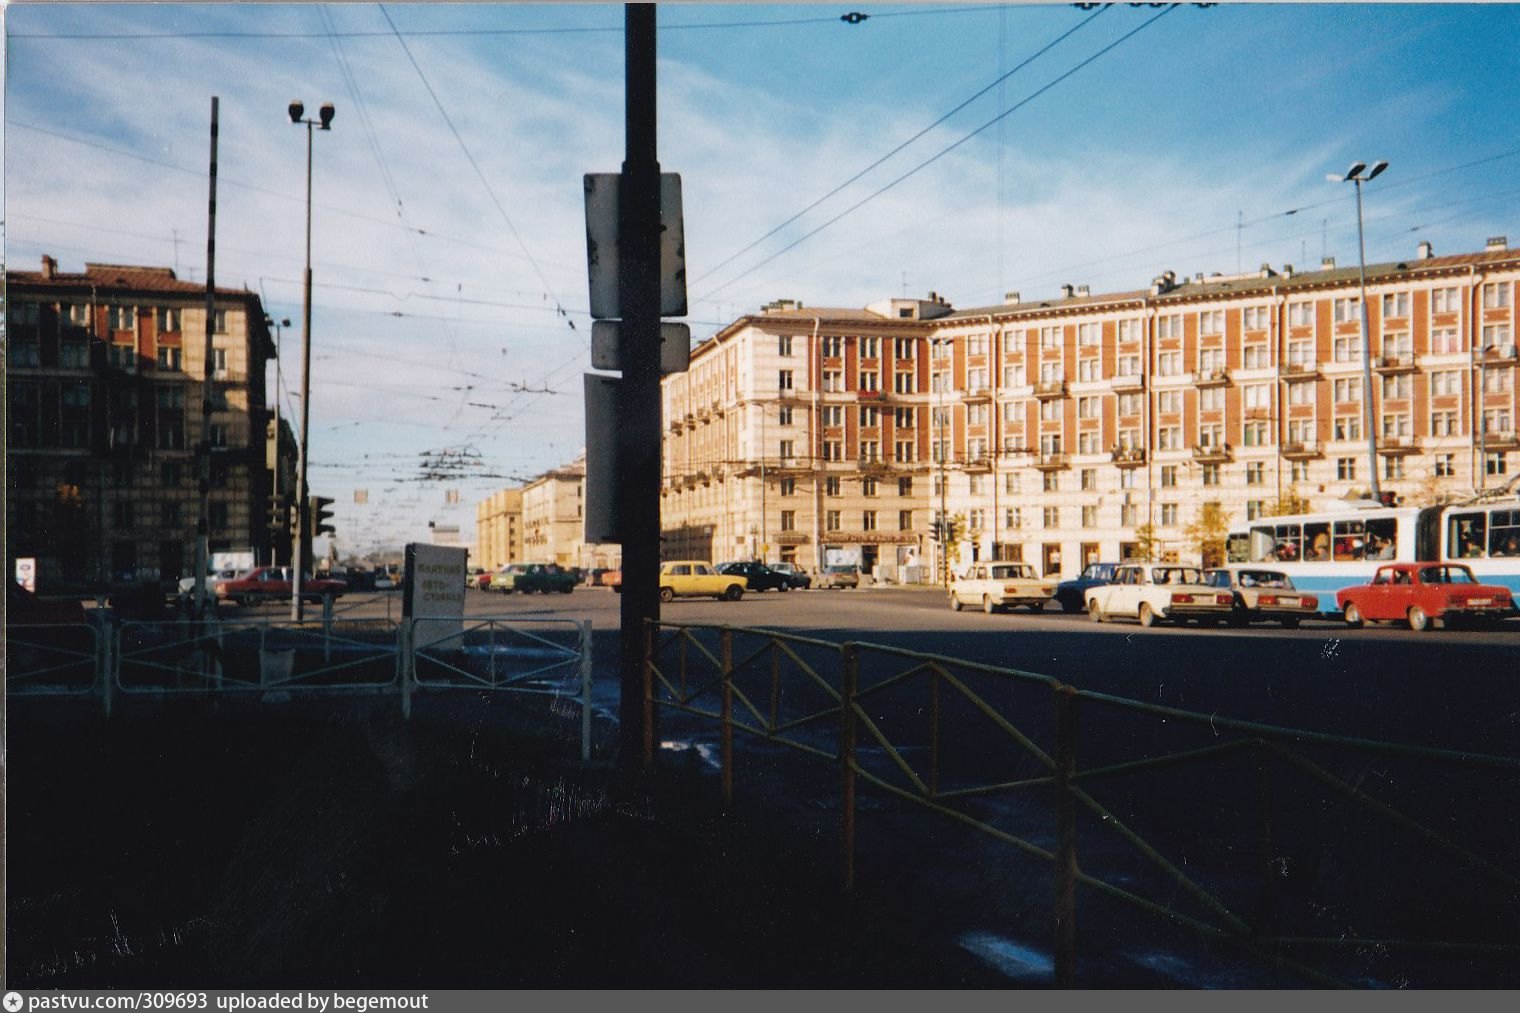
x,y
1072,429
498,529
104,382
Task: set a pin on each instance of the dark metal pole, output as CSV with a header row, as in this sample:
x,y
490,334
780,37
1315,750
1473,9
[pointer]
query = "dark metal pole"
x,y
298,530
203,515
1369,415
639,410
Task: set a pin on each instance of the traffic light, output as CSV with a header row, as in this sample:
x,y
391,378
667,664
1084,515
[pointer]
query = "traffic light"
x,y
319,518
279,512
936,530
953,530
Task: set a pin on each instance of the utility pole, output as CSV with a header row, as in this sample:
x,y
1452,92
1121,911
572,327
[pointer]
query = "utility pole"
x,y
198,596
640,429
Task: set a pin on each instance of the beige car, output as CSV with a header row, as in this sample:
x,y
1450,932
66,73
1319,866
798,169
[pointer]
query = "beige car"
x,y
996,586
692,578
838,575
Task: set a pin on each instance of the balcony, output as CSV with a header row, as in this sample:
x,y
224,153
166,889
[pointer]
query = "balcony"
x,y
873,462
871,395
1499,355
1301,450
979,462
1295,371
1214,378
1052,462
1049,390
1389,365
1500,440
1128,457
1211,453
978,393
1128,383
1397,446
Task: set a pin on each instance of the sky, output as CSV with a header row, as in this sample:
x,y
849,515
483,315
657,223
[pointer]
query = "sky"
x,y
965,149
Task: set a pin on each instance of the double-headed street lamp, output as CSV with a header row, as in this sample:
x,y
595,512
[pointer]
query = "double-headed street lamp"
x,y
1354,175
298,562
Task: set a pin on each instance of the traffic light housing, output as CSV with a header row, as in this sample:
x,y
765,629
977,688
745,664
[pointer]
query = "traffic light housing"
x,y
936,530
319,517
279,513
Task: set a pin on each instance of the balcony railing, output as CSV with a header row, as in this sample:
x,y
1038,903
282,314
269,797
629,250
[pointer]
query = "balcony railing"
x,y
1391,364
1128,457
1047,390
1211,452
1300,450
1128,383
1300,371
1052,462
1393,446
1500,355
1502,439
979,462
1213,378
981,392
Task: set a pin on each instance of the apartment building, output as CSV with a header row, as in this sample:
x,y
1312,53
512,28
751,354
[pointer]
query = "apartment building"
x,y
541,522
498,529
104,380
1053,430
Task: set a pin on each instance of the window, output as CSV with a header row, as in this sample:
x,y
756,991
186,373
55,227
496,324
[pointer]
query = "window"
x,y
1169,326
1210,474
870,348
1256,472
1254,434
1130,404
1050,444
219,326
1301,354
1396,304
1168,476
831,520
1169,364
1346,391
1088,407
1393,467
1050,339
168,357
976,379
1398,346
122,356
1345,469
1298,471
787,449
1496,337
1014,375
1090,443
905,520
903,418
784,344
788,486
788,520
1496,295
1051,411
870,450
976,519
1012,483
831,347
1257,395
784,380
1169,438
904,383
1347,427
1444,300
870,379
870,417
1446,465
1445,341
1089,479
73,354
1128,515
1128,365
1211,436
868,520
1050,517
1089,369
1129,330
1013,518
1090,516
1398,387
1347,310
1254,318
1301,314
784,415
832,415
1211,360
1089,335
905,486
1211,322
902,451
171,474
1443,423
1347,348
1255,357
1300,393
1496,464
831,485
1169,402
1169,513
833,380
168,319
122,318
1447,381
1497,381
903,348
1497,421
1052,481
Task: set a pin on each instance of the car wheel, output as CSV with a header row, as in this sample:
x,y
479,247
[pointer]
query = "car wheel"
x,y
1070,605
987,605
955,603
1147,617
1419,621
784,587
1291,623
734,593
1095,611
666,594
566,590
1037,606
1353,614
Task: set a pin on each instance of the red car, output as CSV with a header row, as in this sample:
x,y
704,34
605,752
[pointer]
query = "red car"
x,y
1421,593
273,582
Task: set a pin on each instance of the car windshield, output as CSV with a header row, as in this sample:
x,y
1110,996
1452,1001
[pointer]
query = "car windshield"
x,y
1265,578
1446,575
1014,571
1100,571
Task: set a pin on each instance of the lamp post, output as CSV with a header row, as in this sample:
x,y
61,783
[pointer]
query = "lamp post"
x,y
298,535
274,488
1354,175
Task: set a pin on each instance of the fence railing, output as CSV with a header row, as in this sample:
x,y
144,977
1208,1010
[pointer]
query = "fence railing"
x,y
1211,825
105,659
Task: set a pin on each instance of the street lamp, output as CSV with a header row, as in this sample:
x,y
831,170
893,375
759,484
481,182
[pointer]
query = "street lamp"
x,y
298,562
279,331
1354,175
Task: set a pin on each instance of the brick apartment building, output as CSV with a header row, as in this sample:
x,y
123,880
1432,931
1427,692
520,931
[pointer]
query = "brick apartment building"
x,y
1052,430
104,378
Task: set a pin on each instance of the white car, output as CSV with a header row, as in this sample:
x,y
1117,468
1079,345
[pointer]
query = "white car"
x,y
187,584
994,586
1152,592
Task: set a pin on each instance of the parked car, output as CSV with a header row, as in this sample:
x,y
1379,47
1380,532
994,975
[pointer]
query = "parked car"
x,y
273,582
505,579
794,574
24,608
544,578
1152,592
482,580
613,579
757,576
839,576
187,584
1263,595
1071,593
384,581
995,586
695,578
1422,594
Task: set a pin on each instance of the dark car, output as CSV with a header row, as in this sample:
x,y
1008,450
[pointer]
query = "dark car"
x,y
1071,593
545,578
758,576
794,575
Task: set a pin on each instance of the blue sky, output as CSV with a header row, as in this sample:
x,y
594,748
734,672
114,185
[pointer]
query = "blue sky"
x,y
448,230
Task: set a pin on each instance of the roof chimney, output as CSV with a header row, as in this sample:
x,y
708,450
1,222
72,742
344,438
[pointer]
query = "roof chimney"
x,y
1066,291
1287,270
1327,264
1083,290
1497,244
49,267
1426,251
1010,298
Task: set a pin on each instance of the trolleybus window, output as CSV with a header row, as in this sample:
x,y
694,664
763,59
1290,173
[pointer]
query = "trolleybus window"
x,y
1504,533
1465,534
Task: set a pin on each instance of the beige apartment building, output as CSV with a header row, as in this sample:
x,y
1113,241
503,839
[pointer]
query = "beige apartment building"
x,y
1051,430
498,529
541,522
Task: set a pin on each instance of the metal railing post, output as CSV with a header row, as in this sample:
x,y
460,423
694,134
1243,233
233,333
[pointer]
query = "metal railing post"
x,y
408,664
849,686
106,658
1264,808
933,732
648,667
327,623
585,625
726,675
1066,839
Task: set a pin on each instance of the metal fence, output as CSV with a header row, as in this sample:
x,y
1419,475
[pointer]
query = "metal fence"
x,y
1244,834
337,655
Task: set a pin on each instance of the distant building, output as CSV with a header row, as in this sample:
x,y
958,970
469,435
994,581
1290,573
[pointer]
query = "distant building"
x,y
104,374
544,521
498,529
1051,430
